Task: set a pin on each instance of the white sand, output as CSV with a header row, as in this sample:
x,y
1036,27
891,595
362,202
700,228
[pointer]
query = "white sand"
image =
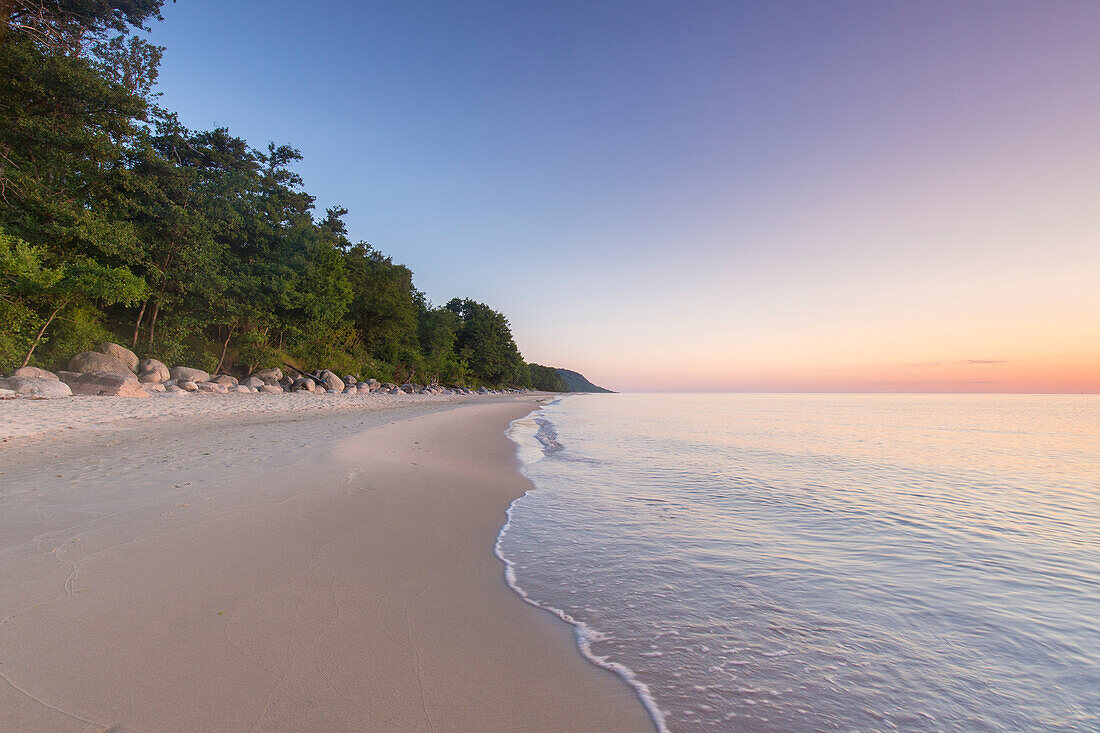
x,y
25,417
303,568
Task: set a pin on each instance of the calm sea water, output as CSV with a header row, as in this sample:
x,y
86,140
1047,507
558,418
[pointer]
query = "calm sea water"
x,y
824,562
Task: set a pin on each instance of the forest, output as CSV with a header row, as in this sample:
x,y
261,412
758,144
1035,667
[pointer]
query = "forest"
x,y
120,223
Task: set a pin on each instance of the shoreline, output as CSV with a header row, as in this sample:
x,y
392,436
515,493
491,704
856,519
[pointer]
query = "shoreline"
x,y
331,570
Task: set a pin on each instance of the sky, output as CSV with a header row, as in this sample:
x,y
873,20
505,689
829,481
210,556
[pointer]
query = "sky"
x,y
701,196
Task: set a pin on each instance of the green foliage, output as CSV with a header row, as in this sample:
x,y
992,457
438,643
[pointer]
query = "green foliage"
x,y
546,379
117,222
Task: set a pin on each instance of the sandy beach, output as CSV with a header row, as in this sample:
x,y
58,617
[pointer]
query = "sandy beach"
x,y
306,568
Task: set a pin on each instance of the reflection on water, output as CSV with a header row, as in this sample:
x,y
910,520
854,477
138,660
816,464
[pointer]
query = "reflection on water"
x,y
826,562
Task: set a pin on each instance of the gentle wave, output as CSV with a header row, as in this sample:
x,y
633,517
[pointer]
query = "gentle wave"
x,y
585,634
813,562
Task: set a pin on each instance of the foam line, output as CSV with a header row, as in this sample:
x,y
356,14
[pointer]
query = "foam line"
x,y
585,635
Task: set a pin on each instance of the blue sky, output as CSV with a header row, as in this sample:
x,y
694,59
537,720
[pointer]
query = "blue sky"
x,y
789,195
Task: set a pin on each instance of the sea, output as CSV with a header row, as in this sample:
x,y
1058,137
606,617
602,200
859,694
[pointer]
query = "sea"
x,y
822,562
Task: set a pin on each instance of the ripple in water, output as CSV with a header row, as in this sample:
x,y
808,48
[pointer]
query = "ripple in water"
x,y
785,563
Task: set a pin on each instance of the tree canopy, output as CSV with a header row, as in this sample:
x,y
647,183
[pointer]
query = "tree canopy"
x,y
192,246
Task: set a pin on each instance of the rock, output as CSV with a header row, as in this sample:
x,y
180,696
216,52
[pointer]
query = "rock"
x,y
225,379
187,385
253,382
94,361
395,390
153,371
212,387
266,374
388,386
175,389
67,376
273,382
121,353
108,384
34,372
331,381
482,390
269,389
363,388
303,384
7,394
351,390
36,387
187,374
240,389
374,382
349,379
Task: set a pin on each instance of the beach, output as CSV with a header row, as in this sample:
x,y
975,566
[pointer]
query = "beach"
x,y
299,563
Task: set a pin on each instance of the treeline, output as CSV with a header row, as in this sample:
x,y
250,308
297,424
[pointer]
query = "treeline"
x,y
117,222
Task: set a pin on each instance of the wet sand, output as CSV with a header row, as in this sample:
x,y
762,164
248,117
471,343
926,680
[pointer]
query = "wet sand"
x,y
319,571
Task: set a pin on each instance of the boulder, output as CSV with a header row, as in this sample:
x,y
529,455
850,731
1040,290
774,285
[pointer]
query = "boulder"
x,y
395,390
94,361
153,387
108,384
225,379
66,376
188,374
388,386
121,353
240,389
212,387
273,382
36,387
175,389
303,384
7,394
363,388
331,381
153,371
34,372
266,374
253,382
270,389
187,385
349,379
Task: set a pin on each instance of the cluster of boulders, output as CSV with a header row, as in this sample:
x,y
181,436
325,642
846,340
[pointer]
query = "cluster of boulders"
x,y
114,370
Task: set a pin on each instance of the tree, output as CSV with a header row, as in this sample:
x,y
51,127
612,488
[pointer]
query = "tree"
x,y
46,290
485,343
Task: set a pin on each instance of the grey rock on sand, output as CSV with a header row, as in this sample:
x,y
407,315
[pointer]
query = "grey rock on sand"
x,y
303,384
225,379
153,371
7,394
274,373
253,382
94,361
108,384
121,353
34,372
331,381
271,389
188,374
36,387
188,385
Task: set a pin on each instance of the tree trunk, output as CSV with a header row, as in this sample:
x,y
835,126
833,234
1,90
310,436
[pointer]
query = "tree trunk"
x,y
137,325
153,321
38,336
225,346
